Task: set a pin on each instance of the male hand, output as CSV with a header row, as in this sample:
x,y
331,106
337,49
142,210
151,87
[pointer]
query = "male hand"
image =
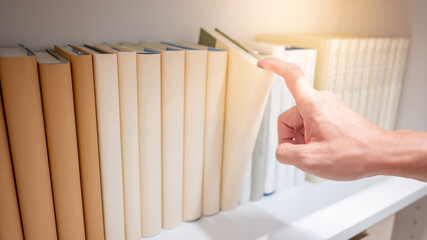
x,y
321,135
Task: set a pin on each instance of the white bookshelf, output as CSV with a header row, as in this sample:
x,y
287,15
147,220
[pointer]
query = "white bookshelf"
x,y
331,210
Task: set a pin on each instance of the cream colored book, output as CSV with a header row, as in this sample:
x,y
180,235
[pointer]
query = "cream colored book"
x,y
366,75
380,81
173,92
246,96
384,100
358,71
245,195
397,81
110,150
341,68
328,49
128,100
25,125
150,151
58,108
87,139
10,218
350,70
194,124
373,81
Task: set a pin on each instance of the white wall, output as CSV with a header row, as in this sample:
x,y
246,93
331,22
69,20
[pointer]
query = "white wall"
x,y
41,23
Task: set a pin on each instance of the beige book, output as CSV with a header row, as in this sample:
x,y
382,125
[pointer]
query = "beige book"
x,y
58,108
397,81
381,79
366,74
24,117
173,91
10,219
128,99
388,72
350,71
150,151
87,139
194,124
108,120
246,96
358,71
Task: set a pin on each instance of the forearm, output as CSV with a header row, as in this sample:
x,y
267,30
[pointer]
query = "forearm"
x,y
404,153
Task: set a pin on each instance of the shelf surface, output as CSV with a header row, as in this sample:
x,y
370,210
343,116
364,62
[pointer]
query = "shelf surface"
x,y
328,210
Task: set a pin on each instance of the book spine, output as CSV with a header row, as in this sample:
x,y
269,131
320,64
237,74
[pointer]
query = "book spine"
x,y
398,79
245,195
173,71
150,149
366,75
10,219
194,101
350,70
380,81
332,65
373,81
24,118
386,88
108,118
358,71
272,141
341,68
58,108
214,127
87,139
128,99
259,156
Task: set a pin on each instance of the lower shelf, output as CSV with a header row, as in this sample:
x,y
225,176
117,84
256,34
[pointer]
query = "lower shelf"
x,y
328,210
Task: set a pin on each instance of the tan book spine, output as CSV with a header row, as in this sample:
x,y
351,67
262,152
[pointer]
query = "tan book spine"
x,y
10,219
150,150
214,128
87,139
58,108
194,100
24,117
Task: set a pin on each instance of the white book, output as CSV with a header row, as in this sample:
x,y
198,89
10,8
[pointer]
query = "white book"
x,y
108,119
384,100
397,81
245,194
341,68
358,71
366,75
379,83
310,62
373,81
259,156
350,70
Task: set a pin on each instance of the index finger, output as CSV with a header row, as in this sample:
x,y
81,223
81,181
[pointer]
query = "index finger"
x,y
297,84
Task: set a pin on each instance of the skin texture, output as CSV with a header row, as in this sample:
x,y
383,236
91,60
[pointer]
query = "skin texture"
x,y
324,137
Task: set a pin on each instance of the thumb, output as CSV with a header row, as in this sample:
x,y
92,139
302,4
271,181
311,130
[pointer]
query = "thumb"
x,y
295,80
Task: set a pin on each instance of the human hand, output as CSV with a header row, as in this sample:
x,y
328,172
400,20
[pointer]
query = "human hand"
x,y
321,135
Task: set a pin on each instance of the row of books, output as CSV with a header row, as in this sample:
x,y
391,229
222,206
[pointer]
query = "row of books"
x,y
116,141
366,73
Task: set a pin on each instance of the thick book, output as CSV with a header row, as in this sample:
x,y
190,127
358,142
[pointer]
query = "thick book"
x,y
194,124
10,218
58,110
246,96
397,82
172,92
149,128
259,156
128,101
108,120
87,139
24,118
